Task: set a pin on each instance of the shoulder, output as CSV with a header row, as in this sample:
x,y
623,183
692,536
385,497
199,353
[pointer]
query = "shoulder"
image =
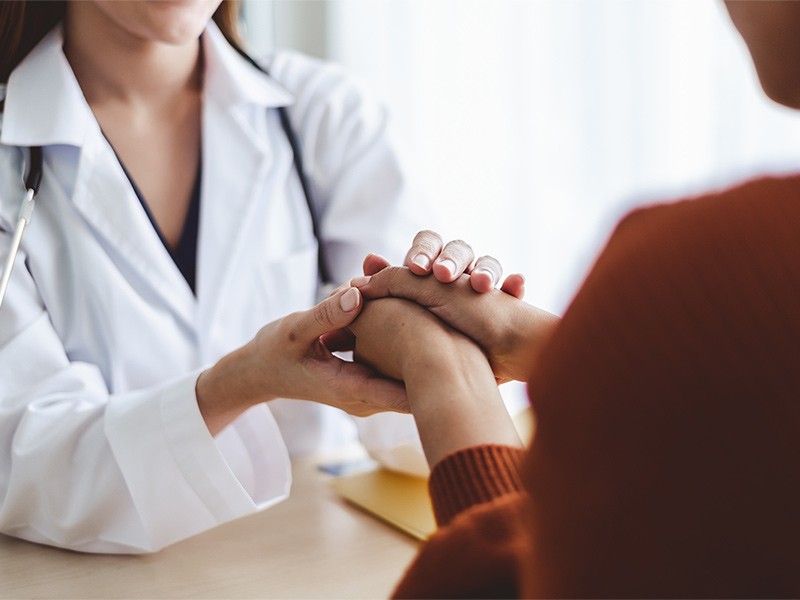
x,y
308,77
688,275
749,206
684,279
711,231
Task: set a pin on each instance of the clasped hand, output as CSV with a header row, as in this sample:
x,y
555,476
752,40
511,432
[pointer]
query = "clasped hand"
x,y
448,338
463,296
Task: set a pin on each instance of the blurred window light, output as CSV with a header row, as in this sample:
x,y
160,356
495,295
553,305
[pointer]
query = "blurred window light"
x,y
535,124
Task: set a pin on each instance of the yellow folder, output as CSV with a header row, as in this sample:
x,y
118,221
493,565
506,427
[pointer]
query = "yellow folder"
x,y
401,500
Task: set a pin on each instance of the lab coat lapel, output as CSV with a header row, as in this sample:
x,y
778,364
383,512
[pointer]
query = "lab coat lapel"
x,y
107,201
236,164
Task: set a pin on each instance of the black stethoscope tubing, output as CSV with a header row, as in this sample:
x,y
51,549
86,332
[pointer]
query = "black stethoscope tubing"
x,y
34,178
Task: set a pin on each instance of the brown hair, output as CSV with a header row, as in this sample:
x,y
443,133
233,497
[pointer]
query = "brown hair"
x,y
23,23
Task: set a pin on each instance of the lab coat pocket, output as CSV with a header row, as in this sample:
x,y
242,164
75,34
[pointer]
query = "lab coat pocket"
x,y
290,282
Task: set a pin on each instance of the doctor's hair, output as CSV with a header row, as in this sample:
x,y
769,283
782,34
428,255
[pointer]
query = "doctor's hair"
x,y
23,23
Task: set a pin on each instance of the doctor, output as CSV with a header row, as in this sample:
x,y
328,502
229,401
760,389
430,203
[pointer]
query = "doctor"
x,y
140,390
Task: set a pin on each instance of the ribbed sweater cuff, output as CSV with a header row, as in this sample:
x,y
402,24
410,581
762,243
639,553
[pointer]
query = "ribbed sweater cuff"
x,y
473,476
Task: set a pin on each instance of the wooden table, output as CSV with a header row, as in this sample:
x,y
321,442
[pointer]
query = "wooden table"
x,y
313,545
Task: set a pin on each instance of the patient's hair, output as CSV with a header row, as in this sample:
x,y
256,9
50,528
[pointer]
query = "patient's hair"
x,y
23,23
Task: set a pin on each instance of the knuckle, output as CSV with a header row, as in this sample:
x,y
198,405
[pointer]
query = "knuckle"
x,y
395,275
459,248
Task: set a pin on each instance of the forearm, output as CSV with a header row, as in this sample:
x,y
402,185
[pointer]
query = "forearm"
x,y
85,469
456,405
230,387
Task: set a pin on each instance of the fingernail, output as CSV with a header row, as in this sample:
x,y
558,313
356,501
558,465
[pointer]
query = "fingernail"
x,y
422,261
349,300
360,281
448,265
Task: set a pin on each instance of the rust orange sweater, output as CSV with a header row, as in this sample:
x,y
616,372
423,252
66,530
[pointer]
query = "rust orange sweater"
x,y
666,460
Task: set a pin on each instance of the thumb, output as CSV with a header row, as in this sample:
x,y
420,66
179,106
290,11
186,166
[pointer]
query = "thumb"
x,y
334,312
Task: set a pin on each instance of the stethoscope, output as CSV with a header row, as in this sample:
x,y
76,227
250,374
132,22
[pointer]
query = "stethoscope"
x,y
31,185
34,178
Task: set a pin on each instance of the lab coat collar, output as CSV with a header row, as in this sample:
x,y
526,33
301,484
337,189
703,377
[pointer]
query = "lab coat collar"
x,y
45,105
232,80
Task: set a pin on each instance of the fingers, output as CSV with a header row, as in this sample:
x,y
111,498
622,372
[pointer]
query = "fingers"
x,y
485,275
514,285
447,262
424,249
363,391
396,282
374,263
454,259
335,312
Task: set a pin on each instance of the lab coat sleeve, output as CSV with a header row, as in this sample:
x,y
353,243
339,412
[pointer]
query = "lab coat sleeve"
x,y
366,200
91,471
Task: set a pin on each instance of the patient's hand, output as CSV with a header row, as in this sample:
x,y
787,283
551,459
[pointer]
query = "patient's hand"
x,y
510,331
396,337
449,383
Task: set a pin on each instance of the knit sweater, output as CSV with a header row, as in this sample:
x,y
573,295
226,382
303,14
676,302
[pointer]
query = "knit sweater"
x,y
667,448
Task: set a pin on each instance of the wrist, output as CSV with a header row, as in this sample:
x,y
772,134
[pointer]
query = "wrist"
x,y
441,352
529,330
456,404
230,387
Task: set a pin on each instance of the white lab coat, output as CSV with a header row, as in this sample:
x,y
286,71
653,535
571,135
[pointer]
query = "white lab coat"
x,y
102,447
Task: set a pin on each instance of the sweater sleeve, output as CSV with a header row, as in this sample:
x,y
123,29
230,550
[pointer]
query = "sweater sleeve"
x,y
478,502
473,476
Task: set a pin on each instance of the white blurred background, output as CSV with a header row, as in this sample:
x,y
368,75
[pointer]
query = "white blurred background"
x,y
533,125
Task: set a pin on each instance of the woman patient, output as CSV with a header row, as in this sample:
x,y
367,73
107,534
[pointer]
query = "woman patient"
x,y
667,400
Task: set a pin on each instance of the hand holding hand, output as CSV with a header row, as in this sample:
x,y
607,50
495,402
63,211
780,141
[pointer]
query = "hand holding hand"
x,y
287,359
399,338
510,331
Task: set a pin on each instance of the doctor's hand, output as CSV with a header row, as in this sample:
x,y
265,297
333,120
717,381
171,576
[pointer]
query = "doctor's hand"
x,y
287,359
451,389
428,254
509,330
